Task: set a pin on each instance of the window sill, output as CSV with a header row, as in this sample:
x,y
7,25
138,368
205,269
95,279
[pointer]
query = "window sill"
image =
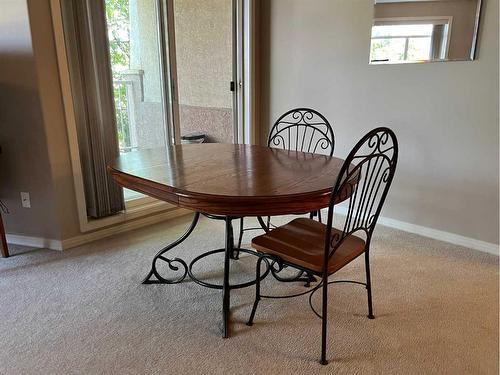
x,y
134,209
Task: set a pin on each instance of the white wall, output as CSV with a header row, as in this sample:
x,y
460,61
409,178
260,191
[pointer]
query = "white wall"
x,y
204,43
444,114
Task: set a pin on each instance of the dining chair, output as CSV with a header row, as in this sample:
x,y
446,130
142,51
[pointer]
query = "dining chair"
x,y
313,247
299,129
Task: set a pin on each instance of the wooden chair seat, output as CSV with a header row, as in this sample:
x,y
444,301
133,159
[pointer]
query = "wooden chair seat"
x,y
302,242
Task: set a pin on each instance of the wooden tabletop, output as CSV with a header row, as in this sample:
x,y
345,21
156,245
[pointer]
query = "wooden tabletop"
x,y
227,179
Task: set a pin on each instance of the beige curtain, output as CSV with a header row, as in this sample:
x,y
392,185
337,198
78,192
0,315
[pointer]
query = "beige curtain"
x,y
91,80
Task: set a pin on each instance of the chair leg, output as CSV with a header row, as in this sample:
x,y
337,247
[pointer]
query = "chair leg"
x,y
313,214
324,320
257,292
241,232
369,285
310,278
226,287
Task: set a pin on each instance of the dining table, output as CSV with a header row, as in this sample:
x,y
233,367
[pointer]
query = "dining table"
x,y
225,182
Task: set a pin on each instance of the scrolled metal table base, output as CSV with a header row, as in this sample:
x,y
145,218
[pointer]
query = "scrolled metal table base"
x,y
154,272
220,286
230,252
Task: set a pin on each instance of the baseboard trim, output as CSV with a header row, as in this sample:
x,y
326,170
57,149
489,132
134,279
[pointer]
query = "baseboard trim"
x,y
84,238
436,234
121,228
38,242
48,243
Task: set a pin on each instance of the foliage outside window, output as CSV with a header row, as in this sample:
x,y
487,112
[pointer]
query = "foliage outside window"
x,y
118,23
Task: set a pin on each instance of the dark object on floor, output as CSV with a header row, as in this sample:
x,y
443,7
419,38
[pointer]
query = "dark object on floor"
x,y
195,137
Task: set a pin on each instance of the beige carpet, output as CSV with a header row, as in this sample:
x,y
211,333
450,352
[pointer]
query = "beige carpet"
x,y
85,311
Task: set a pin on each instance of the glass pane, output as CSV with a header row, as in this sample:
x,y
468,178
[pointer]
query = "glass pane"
x,y
203,38
392,49
402,30
419,49
135,63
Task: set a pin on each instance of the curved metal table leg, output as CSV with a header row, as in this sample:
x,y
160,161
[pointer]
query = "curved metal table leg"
x,y
235,254
263,224
240,237
154,272
155,278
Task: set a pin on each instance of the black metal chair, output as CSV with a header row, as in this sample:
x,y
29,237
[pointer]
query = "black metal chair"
x,y
322,250
300,129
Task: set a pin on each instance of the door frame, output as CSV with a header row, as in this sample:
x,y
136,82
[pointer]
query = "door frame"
x,y
168,64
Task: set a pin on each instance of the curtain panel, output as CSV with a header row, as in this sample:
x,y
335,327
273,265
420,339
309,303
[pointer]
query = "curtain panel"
x,y
84,23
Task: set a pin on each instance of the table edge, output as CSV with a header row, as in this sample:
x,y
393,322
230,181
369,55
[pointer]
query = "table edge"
x,y
222,204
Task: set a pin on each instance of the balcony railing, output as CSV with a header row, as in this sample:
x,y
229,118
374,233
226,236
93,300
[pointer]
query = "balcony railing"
x,y
125,121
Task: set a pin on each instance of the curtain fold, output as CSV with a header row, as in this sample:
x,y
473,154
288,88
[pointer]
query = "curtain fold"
x,y
84,23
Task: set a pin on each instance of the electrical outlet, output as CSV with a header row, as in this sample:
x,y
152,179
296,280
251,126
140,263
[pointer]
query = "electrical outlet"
x,y
25,199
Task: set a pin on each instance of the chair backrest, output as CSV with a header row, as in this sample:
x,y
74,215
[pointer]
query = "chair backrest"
x,y
363,183
302,129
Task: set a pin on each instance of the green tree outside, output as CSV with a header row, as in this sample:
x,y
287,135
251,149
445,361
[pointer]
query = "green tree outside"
x,y
118,24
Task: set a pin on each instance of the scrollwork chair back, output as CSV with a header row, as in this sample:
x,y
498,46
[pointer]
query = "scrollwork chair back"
x,y
302,129
362,185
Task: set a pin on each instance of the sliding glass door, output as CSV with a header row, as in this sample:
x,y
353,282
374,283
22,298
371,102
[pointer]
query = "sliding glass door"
x,y
172,63
135,50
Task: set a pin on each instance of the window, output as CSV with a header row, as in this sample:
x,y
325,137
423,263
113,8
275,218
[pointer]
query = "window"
x,y
408,42
118,24
138,84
